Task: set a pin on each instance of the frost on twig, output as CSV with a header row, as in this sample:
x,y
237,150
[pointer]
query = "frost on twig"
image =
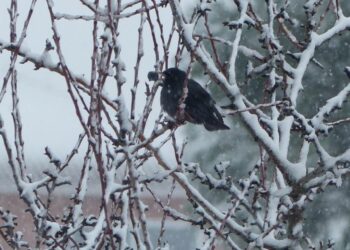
x,y
13,238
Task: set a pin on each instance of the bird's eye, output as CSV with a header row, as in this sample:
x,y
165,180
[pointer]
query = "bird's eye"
x,y
163,76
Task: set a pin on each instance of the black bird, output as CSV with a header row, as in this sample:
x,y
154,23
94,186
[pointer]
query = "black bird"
x,y
199,106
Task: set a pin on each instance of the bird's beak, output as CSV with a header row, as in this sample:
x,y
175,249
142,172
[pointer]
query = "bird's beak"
x,y
153,76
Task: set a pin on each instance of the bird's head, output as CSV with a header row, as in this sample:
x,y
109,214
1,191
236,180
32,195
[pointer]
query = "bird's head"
x,y
173,75
170,76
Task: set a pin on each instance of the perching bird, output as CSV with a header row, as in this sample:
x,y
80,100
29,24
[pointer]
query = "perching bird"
x,y
199,106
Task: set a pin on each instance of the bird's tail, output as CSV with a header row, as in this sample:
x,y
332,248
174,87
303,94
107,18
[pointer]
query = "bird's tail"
x,y
218,126
216,122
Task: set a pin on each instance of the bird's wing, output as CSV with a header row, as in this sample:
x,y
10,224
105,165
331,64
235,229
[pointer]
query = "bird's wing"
x,y
196,91
199,103
200,107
